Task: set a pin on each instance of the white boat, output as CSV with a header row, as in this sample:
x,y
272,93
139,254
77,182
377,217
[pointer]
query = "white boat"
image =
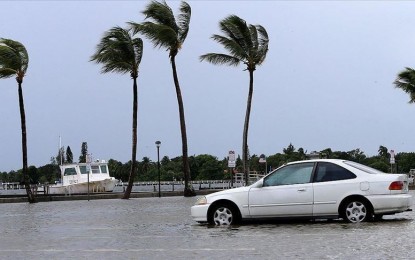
x,y
76,177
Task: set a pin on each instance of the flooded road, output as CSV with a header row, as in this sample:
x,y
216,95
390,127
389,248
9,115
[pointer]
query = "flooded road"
x,y
150,228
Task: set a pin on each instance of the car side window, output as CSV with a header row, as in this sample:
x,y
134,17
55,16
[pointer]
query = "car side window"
x,y
290,174
331,172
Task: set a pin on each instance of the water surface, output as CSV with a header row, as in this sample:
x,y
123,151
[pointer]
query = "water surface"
x,y
149,228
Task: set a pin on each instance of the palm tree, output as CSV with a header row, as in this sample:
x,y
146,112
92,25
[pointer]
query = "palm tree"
x,y
247,44
14,61
120,52
406,82
164,31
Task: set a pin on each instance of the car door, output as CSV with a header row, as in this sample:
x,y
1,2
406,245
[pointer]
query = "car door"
x,y
288,191
331,184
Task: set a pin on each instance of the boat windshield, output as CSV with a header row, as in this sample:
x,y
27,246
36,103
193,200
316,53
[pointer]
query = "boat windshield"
x,y
70,171
83,169
95,169
104,169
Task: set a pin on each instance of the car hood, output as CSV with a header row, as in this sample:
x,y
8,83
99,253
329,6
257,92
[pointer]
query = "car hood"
x,y
230,191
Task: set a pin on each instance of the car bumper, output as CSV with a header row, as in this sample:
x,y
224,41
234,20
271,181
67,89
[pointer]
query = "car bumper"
x,y
199,212
384,204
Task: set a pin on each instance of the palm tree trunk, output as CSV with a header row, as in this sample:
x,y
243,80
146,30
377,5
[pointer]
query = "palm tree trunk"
x,y
127,192
188,191
245,161
30,196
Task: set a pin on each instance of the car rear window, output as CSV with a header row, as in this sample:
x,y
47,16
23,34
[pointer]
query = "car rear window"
x,y
364,168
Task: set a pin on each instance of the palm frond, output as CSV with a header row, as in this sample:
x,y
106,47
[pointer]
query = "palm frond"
x,y
263,41
245,43
161,13
119,52
160,35
406,81
230,30
6,73
184,21
239,28
13,56
220,59
254,36
8,58
233,47
138,50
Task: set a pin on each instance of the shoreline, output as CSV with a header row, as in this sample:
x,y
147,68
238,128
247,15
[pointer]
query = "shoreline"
x,y
96,196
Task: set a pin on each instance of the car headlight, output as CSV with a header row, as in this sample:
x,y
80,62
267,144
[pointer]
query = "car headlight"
x,y
201,201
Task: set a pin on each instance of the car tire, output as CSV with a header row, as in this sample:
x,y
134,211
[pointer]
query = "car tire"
x,y
356,211
224,214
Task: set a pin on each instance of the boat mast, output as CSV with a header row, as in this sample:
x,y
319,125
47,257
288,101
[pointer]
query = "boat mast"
x,y
61,151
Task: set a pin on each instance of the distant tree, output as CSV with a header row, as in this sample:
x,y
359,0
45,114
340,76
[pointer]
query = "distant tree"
x,y
326,153
380,165
69,155
84,152
406,81
254,164
209,168
60,157
239,164
34,174
163,30
14,61
120,52
405,161
50,173
383,152
164,161
356,155
289,150
145,164
247,44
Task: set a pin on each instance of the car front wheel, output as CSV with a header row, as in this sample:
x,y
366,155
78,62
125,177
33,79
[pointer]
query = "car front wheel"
x,y
224,215
356,211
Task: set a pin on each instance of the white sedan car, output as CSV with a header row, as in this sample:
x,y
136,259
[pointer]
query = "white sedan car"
x,y
324,188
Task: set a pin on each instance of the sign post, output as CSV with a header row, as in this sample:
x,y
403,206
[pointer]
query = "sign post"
x,y
88,161
231,164
392,160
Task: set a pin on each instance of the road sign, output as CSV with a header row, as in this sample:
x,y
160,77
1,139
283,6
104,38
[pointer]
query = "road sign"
x,y
231,159
392,160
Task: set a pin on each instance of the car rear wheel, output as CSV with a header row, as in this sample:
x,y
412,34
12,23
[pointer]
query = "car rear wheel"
x,y
356,211
224,215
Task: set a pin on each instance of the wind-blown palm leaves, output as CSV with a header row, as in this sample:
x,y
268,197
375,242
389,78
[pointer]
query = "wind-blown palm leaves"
x,y
247,44
14,61
120,52
164,30
406,82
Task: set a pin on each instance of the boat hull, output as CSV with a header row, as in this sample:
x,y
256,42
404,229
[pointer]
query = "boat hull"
x,y
105,185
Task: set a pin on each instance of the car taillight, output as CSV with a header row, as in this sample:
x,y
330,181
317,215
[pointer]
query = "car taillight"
x,y
396,185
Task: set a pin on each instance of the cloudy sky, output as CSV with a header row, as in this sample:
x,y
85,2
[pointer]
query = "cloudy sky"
x,y
326,82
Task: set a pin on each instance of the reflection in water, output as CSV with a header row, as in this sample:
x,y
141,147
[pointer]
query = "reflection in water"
x,y
162,227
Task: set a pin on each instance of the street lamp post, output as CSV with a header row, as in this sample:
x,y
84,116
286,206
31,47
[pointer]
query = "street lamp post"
x,y
158,143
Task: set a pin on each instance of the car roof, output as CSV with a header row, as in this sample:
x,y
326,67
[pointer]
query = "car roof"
x,y
319,160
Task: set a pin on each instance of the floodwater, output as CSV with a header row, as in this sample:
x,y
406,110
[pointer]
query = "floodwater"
x,y
161,228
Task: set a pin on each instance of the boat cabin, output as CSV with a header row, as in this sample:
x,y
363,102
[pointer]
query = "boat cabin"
x,y
79,172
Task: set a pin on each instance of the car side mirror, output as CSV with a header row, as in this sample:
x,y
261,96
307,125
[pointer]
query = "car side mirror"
x,y
258,184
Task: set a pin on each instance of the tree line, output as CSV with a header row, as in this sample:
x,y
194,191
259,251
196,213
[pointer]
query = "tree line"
x,y
209,167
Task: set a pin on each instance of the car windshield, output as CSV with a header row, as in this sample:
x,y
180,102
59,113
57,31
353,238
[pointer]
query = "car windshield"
x,y
363,167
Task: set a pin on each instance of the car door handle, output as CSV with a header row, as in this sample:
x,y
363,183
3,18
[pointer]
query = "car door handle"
x,y
301,190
